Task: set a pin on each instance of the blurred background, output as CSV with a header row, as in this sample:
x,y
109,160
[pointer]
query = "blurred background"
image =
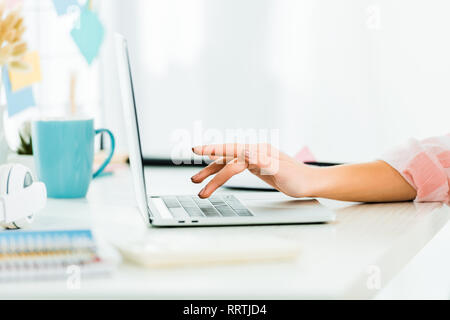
x,y
347,78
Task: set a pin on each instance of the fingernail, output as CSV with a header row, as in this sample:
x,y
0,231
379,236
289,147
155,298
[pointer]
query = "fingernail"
x,y
194,177
202,193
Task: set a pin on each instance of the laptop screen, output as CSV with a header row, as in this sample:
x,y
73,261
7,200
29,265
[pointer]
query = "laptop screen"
x,y
132,125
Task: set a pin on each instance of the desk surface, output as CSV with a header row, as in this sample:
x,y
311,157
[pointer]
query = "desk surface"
x,y
336,260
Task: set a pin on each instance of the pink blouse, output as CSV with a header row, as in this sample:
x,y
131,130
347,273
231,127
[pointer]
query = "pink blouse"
x,y
426,166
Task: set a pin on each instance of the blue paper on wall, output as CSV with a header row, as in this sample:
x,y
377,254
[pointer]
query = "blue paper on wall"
x,y
19,100
89,34
62,6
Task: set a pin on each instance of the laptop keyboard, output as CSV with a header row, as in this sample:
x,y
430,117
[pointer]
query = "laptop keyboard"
x,y
214,207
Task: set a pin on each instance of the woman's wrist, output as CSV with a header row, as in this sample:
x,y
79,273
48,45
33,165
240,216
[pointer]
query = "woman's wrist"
x,y
310,179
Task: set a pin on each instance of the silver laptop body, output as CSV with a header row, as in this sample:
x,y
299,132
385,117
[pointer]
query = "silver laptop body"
x,y
189,210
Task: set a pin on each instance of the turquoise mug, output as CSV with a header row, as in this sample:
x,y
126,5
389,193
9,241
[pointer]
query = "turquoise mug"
x,y
64,155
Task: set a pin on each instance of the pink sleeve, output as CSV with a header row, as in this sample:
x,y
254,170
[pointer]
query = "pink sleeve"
x,y
426,166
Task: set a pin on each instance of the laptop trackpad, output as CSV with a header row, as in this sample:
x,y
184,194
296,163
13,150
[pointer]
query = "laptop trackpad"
x,y
287,207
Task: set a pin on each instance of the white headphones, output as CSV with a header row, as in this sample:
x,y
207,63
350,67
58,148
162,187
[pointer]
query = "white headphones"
x,y
20,196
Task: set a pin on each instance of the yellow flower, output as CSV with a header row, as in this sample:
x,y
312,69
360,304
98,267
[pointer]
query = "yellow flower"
x,y
12,48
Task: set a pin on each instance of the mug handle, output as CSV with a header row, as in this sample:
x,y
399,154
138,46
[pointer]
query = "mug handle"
x,y
113,147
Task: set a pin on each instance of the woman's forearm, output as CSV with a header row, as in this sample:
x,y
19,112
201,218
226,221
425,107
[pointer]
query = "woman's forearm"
x,y
368,182
417,171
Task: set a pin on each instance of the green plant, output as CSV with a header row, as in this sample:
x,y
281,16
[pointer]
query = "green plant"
x,y
26,141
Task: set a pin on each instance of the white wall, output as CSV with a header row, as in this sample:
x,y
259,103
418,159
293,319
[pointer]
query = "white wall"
x,y
349,78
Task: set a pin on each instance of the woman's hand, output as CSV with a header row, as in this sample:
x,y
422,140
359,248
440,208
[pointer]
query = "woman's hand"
x,y
374,181
266,162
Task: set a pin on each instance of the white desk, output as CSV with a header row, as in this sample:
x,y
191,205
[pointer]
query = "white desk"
x,y
336,260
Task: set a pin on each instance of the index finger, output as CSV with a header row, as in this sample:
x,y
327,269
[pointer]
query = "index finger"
x,y
233,150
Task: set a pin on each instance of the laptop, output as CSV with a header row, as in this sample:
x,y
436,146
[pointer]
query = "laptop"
x,y
190,210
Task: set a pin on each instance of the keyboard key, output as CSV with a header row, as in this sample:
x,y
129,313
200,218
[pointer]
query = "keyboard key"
x,y
244,213
219,203
226,211
194,212
171,202
236,204
216,200
198,200
210,212
178,213
184,199
187,202
204,204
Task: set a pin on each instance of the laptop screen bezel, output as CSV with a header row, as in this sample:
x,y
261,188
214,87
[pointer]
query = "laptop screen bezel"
x,y
131,119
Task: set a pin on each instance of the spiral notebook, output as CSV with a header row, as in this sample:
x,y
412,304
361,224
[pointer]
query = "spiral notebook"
x,y
47,255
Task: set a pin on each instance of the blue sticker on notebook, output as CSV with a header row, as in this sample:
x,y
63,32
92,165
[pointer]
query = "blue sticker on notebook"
x,y
62,6
88,34
19,100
